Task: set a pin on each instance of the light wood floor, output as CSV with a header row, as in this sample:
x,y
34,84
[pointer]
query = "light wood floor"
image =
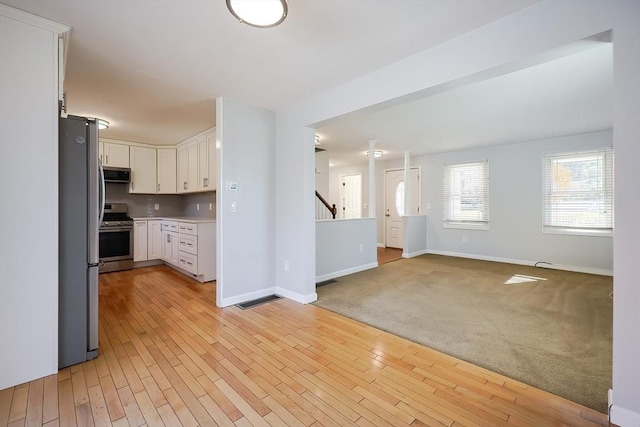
x,y
386,255
169,356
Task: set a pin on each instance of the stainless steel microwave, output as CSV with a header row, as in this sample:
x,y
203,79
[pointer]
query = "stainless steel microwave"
x,y
122,175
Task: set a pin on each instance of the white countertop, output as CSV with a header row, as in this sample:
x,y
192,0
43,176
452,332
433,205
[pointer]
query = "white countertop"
x,y
190,219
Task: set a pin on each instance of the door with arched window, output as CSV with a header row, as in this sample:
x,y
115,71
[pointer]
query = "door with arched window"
x,y
394,204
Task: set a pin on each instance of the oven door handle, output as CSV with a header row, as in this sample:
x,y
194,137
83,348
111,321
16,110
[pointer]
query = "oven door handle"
x,y
116,229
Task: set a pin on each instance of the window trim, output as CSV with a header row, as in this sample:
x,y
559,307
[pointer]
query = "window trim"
x,y
446,199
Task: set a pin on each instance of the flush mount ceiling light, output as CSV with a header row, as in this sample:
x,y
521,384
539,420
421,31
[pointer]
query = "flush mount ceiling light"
x,y
376,154
258,13
103,124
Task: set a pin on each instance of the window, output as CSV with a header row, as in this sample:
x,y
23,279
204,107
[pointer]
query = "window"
x,y
577,193
466,195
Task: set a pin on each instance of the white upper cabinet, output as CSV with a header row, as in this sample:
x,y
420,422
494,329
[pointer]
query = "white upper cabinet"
x,y
115,155
183,168
192,166
167,171
207,161
188,167
143,170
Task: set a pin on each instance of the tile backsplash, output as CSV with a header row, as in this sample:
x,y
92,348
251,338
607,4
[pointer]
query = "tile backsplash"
x,y
143,205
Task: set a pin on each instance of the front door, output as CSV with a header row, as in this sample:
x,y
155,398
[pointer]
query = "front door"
x,y
394,204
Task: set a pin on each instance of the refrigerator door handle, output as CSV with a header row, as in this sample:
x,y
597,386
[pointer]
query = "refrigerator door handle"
x,y
102,191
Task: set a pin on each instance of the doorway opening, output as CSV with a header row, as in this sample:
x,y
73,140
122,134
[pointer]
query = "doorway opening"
x,y
350,196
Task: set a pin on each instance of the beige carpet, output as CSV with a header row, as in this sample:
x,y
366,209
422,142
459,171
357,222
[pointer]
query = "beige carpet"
x,y
555,334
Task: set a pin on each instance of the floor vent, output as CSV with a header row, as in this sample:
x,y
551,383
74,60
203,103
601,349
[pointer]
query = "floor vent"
x,y
326,282
259,301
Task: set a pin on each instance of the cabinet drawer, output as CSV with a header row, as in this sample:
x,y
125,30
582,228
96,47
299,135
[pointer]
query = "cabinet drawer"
x,y
188,262
170,225
189,243
189,228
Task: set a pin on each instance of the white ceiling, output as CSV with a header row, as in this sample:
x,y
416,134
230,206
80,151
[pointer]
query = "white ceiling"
x,y
154,68
565,96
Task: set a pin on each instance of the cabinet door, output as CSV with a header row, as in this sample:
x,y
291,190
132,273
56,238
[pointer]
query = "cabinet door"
x,y
170,249
211,152
183,169
167,171
175,249
116,155
143,170
192,167
140,241
154,239
203,163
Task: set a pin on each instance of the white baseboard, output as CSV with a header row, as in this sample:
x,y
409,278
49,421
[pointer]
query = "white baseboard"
x,y
414,254
249,296
344,272
623,417
577,269
381,245
295,296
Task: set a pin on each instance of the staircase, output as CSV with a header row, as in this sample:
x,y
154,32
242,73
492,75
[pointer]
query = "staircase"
x,y
323,209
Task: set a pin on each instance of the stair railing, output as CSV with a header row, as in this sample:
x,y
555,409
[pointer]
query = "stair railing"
x,y
320,208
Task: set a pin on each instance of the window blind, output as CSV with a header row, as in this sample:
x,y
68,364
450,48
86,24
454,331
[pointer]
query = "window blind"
x,y
466,194
578,191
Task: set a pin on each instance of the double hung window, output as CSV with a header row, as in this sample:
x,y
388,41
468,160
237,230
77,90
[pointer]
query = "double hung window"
x,y
466,195
578,192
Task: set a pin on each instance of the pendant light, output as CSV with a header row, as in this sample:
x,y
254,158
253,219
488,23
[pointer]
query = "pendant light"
x,y
259,13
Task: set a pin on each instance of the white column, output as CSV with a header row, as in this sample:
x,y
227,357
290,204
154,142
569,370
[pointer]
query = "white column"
x,y
407,184
372,179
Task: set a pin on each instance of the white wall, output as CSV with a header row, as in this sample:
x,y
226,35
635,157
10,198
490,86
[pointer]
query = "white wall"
x,y
485,51
345,246
245,237
381,167
415,235
322,173
515,208
29,197
626,245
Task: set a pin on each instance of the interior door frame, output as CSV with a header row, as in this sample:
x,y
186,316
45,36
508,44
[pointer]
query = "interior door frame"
x,y
340,178
384,196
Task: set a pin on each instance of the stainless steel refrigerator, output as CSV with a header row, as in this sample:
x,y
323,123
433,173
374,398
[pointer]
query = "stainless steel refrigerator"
x,y
81,201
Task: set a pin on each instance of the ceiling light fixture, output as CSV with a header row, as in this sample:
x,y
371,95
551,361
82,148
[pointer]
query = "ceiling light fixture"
x,y
103,124
376,154
259,13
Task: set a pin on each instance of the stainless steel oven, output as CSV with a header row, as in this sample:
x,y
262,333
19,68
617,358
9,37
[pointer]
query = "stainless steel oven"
x,y
116,239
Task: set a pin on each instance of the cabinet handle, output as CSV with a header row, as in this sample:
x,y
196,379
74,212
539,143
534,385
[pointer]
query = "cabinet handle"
x,y
205,182
158,190
185,185
106,158
131,185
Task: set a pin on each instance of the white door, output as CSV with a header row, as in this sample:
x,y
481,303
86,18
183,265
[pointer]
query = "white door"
x,y
351,196
394,204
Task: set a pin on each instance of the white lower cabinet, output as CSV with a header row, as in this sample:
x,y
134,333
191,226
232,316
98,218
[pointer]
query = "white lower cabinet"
x,y
154,239
197,249
140,241
189,246
170,251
